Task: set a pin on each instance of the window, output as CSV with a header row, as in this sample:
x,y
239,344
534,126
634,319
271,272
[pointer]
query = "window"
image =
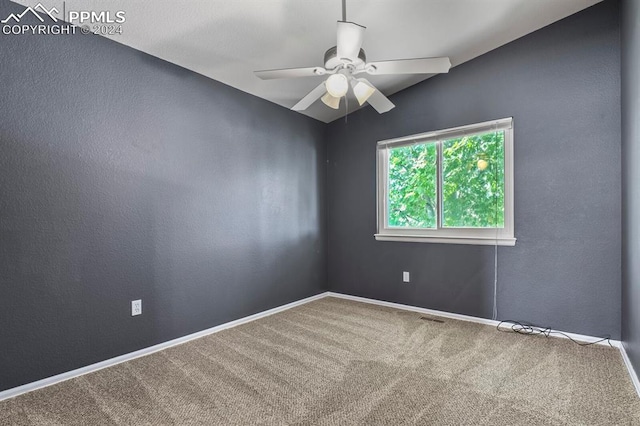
x,y
450,186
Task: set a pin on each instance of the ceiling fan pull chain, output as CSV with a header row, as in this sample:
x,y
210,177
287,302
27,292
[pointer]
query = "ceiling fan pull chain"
x,y
346,108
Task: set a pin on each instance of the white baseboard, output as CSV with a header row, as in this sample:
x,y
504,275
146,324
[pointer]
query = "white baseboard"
x,y
577,337
632,372
11,393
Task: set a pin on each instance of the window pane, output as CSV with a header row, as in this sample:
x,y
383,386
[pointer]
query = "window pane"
x,y
473,181
412,186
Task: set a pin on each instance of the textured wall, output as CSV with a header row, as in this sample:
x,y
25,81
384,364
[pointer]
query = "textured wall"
x,y
123,177
562,86
631,179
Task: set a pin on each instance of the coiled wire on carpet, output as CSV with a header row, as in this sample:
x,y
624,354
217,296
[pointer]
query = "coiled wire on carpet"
x,y
534,330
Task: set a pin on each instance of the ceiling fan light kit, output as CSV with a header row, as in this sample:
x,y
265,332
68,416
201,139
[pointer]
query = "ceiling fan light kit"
x,y
346,60
337,85
362,90
331,101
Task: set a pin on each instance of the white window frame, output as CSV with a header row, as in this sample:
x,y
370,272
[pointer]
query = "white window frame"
x,y
482,236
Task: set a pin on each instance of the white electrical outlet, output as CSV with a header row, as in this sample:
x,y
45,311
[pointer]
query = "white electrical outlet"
x,y
136,307
405,277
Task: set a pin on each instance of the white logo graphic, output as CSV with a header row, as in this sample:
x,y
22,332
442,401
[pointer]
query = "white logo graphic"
x,y
39,7
101,22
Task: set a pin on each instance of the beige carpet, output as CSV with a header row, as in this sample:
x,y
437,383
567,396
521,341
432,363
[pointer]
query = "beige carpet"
x,y
337,362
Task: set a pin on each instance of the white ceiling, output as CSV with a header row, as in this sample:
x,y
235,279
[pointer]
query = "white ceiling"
x,y
228,39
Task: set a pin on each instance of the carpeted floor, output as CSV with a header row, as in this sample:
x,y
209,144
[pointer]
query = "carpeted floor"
x,y
337,362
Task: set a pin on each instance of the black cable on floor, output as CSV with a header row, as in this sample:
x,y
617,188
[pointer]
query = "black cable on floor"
x,y
534,330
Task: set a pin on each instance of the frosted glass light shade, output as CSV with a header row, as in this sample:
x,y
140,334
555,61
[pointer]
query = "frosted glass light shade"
x,y
337,85
363,91
330,101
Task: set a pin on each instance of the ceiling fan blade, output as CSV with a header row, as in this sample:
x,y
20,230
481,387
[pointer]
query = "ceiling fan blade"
x,y
410,66
377,100
349,40
290,73
313,96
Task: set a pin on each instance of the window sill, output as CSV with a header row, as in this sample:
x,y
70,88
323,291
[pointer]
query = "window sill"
x,y
447,240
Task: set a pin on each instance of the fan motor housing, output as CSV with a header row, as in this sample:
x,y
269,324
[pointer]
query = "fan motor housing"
x,y
331,59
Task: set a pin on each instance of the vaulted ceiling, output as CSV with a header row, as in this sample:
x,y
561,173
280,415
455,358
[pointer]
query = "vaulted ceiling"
x,y
228,40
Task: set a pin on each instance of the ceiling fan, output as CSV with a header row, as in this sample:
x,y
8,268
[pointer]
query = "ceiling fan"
x,y
346,60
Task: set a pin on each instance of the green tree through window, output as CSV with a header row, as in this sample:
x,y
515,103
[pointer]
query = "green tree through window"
x,y
412,186
472,183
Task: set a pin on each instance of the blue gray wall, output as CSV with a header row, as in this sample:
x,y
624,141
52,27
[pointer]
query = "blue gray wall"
x,y
631,179
124,177
562,86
